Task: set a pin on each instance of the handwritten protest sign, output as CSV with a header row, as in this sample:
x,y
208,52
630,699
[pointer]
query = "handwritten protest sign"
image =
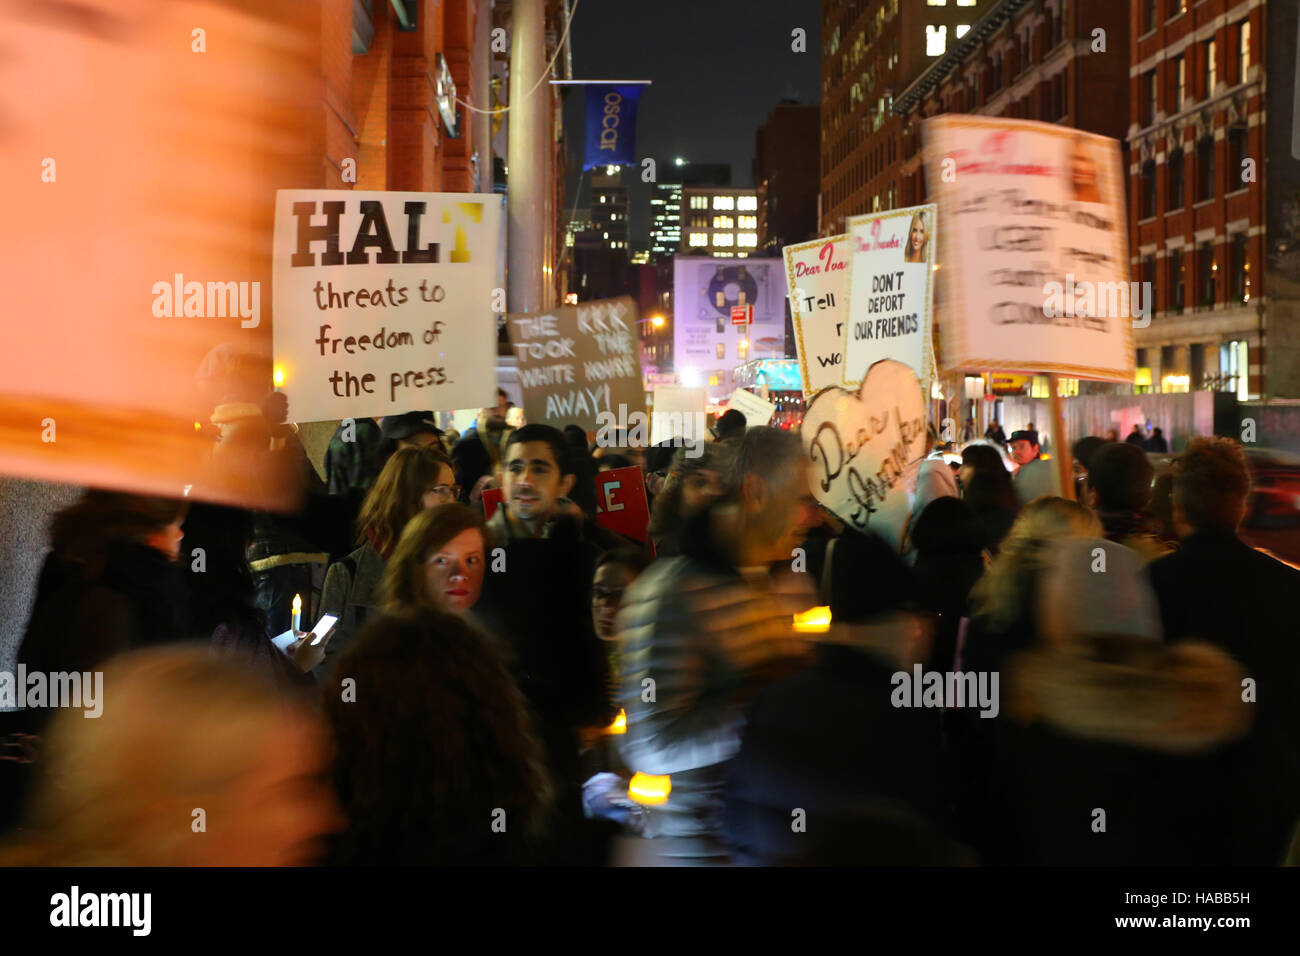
x,y
1034,249
679,412
384,301
621,502
815,275
865,447
889,291
578,362
757,411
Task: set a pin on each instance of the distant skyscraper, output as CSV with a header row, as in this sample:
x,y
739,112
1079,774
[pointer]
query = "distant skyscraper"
x,y
666,200
609,206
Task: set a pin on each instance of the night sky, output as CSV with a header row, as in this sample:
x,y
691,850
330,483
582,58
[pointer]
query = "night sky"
x,y
718,66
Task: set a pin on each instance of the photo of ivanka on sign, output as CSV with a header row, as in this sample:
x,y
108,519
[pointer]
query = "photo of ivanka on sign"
x,y
383,301
1034,249
579,362
890,291
815,274
757,411
866,445
621,502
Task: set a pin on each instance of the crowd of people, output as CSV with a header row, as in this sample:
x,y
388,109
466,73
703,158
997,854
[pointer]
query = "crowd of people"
x,y
495,689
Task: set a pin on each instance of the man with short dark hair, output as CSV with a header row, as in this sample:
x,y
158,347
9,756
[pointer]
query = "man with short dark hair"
x,y
700,633
1119,490
1035,477
1218,588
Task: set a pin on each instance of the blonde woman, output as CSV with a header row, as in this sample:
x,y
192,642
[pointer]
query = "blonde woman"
x,y
1004,611
918,240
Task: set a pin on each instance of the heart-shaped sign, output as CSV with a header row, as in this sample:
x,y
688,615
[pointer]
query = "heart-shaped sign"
x,y
865,447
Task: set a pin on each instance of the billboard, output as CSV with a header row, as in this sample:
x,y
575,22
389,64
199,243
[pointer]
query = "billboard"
x,y
707,347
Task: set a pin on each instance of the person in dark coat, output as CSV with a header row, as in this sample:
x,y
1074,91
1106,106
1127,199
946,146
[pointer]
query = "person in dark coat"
x,y
1217,588
949,541
1157,443
478,452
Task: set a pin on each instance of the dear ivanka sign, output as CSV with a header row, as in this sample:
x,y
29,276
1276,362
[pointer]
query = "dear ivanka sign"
x,y
815,280
1034,248
890,291
383,301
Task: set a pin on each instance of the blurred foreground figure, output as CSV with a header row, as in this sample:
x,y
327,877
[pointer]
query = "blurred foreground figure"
x,y
702,632
197,760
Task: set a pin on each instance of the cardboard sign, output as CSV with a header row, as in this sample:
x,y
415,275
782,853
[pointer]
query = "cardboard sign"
x,y
815,274
890,292
578,362
492,498
679,412
866,446
621,502
383,301
757,411
1034,249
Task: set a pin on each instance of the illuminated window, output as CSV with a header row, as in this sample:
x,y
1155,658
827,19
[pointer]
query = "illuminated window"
x,y
602,199
722,350
699,202
747,222
724,239
724,202
1243,50
936,39
723,222
747,239
936,3
965,3
699,239
962,30
1211,68
746,203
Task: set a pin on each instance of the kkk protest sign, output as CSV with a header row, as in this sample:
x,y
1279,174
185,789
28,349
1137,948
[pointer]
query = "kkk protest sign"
x,y
621,502
815,274
1034,249
865,447
579,362
384,301
889,292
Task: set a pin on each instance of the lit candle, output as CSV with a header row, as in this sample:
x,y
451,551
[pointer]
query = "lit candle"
x,y
297,612
649,790
815,620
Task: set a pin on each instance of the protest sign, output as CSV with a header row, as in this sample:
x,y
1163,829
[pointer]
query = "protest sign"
x,y
889,292
1034,249
815,274
679,412
621,503
865,447
578,362
757,411
384,301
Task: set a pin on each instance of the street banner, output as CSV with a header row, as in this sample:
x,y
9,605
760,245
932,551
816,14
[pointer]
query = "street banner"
x,y
757,411
707,348
1034,250
141,143
579,362
621,502
866,446
384,301
611,126
679,412
815,276
890,292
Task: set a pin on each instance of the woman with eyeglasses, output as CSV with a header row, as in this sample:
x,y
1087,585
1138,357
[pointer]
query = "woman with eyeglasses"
x,y
413,480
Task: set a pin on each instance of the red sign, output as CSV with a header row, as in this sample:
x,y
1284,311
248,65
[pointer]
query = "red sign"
x,y
742,314
621,503
491,498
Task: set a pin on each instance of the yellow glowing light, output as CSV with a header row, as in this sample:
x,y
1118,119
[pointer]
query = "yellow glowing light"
x,y
657,321
647,789
815,620
278,376
198,427
619,726
297,612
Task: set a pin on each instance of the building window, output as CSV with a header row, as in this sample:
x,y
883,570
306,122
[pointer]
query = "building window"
x,y
1149,97
1180,83
1240,268
965,3
723,222
699,202
747,222
936,3
1211,68
1148,15
747,239
724,202
722,350
936,39
1177,273
724,239
698,239
747,203
1208,270
1178,8
1238,143
962,30
1149,276
1177,179
1148,190
1205,168
1243,50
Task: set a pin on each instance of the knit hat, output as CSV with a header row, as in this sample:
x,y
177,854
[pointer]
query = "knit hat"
x,y
1094,587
